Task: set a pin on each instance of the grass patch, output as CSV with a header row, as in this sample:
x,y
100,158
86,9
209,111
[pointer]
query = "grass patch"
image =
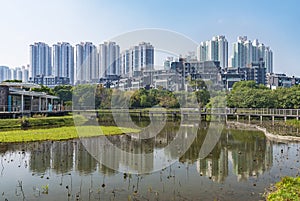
x,y
61,133
246,136
286,189
12,124
294,122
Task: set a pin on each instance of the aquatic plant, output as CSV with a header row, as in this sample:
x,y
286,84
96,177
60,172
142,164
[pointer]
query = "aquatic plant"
x,y
286,189
45,189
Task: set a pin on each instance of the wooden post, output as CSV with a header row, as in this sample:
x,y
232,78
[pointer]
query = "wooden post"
x,y
40,103
249,119
261,119
273,120
237,118
46,104
22,103
31,103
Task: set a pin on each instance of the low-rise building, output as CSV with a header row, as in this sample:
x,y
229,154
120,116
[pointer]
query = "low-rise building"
x,y
50,81
281,80
18,97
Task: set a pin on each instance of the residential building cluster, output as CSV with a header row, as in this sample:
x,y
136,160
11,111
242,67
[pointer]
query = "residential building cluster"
x,y
133,68
64,64
214,50
246,52
275,80
18,73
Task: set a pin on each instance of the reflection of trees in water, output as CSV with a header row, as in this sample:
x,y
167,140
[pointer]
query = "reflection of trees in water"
x,y
39,157
215,165
140,119
110,154
192,154
251,154
4,148
84,162
62,156
167,134
106,170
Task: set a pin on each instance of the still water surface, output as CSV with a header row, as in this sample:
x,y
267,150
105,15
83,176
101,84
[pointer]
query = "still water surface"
x,y
240,167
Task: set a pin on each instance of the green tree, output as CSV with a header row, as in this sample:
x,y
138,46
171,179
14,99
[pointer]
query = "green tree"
x,y
64,92
103,97
84,96
43,89
247,94
203,97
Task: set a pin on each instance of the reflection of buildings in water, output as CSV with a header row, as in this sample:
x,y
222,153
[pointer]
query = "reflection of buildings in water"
x,y
192,153
268,156
106,154
62,156
138,155
40,157
84,162
215,166
167,134
251,155
133,157
183,144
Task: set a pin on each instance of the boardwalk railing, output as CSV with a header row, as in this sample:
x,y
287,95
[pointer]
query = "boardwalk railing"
x,y
250,112
265,112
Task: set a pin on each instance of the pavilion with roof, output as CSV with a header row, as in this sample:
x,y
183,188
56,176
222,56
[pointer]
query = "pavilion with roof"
x,y
19,97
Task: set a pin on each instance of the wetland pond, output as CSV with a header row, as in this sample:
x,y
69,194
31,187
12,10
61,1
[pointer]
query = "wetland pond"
x,y
241,165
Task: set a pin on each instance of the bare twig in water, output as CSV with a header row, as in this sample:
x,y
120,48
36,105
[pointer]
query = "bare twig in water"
x,y
21,188
2,166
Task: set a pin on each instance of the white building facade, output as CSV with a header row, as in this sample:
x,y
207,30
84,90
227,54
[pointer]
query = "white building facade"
x,y
40,59
87,68
137,58
109,59
214,50
245,52
63,61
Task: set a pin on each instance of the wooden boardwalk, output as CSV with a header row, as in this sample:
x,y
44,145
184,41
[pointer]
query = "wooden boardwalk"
x,y
222,113
186,113
260,113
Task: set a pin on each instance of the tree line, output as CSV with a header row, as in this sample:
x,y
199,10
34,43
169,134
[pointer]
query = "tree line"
x,y
248,94
244,94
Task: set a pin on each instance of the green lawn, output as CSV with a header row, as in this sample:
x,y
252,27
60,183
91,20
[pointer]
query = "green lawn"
x,y
61,133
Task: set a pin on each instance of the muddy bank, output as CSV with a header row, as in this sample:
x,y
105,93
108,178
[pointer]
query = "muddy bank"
x,y
269,135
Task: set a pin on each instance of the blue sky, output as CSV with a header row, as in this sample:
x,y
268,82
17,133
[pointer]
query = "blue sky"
x,y
273,22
